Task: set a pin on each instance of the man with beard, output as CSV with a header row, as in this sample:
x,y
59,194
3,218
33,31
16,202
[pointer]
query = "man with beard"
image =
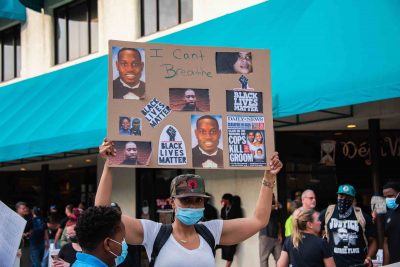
x,y
190,101
128,84
343,221
131,154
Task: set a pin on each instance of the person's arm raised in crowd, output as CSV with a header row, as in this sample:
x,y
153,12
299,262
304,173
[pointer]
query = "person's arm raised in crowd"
x,y
133,227
237,230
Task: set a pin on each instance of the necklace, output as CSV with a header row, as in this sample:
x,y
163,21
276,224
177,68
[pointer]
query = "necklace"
x,y
183,241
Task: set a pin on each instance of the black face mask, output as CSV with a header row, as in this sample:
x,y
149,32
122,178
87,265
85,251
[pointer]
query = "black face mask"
x,y
344,205
73,239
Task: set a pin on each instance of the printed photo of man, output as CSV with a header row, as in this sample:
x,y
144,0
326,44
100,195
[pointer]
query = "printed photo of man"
x,y
206,153
190,101
130,65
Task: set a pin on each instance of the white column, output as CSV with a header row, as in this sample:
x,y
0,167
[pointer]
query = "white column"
x,y
118,20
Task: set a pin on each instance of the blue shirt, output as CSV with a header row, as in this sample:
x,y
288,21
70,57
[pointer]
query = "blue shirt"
x,y
83,259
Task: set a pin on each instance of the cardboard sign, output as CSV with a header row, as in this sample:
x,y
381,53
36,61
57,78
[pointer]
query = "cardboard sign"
x,y
210,97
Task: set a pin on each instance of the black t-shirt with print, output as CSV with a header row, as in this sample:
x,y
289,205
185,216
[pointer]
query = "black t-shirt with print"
x,y
392,232
346,239
311,251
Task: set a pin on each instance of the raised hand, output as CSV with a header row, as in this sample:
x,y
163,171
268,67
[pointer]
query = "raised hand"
x,y
107,149
275,166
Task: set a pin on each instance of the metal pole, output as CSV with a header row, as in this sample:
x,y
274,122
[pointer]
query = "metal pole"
x,y
374,143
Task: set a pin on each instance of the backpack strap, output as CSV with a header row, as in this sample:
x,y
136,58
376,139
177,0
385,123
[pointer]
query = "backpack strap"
x,y
328,215
162,237
202,230
361,221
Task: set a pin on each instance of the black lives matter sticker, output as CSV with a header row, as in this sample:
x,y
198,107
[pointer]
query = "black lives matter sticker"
x,y
242,101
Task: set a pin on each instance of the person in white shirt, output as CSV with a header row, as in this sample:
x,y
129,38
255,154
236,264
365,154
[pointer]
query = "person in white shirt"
x,y
187,200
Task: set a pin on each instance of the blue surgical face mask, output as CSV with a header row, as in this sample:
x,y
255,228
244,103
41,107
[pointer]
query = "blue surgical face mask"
x,y
189,216
391,203
124,251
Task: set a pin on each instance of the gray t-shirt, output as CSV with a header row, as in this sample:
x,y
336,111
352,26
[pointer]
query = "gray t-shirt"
x,y
173,254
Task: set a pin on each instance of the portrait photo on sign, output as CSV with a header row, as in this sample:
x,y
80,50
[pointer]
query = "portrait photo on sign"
x,y
130,126
234,62
131,153
207,143
189,99
128,71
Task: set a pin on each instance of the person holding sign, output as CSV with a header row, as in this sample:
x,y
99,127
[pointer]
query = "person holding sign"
x,y
130,66
207,154
189,241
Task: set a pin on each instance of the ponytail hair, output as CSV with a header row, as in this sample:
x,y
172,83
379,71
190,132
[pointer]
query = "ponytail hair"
x,y
300,219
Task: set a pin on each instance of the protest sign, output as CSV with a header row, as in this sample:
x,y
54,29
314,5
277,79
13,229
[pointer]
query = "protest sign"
x,y
211,98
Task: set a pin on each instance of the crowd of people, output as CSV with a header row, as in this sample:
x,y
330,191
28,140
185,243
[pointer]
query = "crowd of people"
x,y
44,234
340,235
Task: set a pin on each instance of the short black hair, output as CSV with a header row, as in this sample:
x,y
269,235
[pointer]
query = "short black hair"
x,y
393,185
129,49
206,117
96,224
227,196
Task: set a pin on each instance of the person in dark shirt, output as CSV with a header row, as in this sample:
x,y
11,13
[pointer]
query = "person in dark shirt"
x,y
210,212
304,248
270,237
391,243
230,210
23,210
39,238
68,213
350,231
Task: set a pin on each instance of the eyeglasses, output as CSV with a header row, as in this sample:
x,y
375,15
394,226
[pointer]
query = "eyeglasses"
x,y
311,197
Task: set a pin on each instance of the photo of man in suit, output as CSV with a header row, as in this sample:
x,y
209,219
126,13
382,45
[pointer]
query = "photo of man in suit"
x,y
206,153
130,65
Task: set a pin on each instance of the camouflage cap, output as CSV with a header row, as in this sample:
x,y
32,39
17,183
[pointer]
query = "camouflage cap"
x,y
188,185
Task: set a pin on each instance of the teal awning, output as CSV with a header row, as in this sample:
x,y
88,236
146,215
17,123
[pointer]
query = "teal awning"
x,y
56,112
324,54
12,10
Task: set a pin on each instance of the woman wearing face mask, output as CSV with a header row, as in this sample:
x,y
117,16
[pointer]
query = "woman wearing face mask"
x,y
188,195
304,247
67,255
101,235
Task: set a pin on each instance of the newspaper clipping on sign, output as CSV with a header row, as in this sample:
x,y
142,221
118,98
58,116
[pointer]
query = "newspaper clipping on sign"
x,y
246,141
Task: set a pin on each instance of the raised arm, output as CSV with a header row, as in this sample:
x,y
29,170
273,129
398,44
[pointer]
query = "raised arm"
x,y
133,227
237,230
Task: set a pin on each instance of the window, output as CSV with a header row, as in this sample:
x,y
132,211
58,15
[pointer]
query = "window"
x,y
158,15
10,53
76,30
